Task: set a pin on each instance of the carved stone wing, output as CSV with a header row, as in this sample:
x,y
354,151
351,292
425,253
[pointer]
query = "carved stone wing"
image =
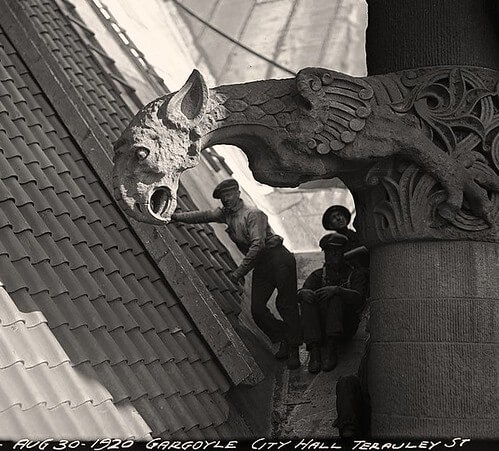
x,y
339,103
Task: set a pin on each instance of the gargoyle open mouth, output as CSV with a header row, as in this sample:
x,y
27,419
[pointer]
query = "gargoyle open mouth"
x,y
160,203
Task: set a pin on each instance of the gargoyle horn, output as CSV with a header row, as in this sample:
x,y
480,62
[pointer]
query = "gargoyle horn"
x,y
187,106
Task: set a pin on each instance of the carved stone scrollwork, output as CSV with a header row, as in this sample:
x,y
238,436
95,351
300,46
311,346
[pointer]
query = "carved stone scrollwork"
x,y
458,110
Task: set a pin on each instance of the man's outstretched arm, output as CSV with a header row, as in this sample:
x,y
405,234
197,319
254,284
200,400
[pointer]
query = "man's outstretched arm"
x,y
199,217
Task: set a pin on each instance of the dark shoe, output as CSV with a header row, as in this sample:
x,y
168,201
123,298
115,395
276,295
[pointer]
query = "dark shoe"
x,y
349,432
331,359
294,358
314,363
283,351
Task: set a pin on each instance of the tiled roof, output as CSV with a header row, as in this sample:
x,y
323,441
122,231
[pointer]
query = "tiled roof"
x,y
67,251
42,395
87,65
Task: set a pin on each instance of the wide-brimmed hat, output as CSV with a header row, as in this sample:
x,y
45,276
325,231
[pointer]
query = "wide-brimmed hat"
x,y
343,210
226,185
333,240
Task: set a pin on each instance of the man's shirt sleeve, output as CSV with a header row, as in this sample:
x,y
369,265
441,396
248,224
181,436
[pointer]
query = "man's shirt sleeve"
x,y
199,217
359,281
256,223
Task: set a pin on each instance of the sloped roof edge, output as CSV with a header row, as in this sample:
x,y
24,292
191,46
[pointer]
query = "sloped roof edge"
x,y
197,300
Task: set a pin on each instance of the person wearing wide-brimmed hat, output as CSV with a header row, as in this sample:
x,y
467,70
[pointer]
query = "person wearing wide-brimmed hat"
x,y
337,218
274,267
332,299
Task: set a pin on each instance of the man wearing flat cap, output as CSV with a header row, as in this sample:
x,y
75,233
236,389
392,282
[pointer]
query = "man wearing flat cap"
x,y
272,264
332,299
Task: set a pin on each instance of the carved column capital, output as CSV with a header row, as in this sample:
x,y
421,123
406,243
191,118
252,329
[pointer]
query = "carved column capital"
x,y
457,108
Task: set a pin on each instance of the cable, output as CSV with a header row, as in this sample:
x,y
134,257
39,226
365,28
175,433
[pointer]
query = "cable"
x,y
234,41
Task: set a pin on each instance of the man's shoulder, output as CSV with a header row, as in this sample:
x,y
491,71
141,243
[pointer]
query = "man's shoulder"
x,y
316,273
249,211
351,234
314,280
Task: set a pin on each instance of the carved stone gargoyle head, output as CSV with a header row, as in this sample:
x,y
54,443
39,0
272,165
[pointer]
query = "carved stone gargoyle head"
x,y
155,148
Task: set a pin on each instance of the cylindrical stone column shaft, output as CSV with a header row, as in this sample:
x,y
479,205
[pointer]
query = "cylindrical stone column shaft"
x,y
434,359
405,34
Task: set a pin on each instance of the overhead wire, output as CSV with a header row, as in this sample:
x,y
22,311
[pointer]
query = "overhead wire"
x,y
231,39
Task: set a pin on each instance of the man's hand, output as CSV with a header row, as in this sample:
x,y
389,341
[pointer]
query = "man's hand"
x,y
327,292
236,278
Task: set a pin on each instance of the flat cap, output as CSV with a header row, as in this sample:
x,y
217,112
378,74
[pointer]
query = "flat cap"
x,y
330,210
333,239
226,185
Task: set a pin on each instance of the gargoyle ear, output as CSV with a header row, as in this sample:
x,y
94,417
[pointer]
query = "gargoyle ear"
x,y
188,105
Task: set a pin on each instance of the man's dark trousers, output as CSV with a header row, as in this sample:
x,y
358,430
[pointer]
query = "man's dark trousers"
x,y
331,317
276,268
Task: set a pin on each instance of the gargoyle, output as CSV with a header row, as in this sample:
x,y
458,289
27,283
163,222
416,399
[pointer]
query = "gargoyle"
x,y
319,125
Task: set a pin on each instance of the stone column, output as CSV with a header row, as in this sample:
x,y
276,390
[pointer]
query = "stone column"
x,y
434,360
434,329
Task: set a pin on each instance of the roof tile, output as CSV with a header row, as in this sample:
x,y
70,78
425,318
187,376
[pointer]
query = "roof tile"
x,y
11,190
199,412
82,346
152,315
18,345
147,381
147,353
165,385
173,420
111,380
155,419
131,382
45,303
10,314
13,276
158,346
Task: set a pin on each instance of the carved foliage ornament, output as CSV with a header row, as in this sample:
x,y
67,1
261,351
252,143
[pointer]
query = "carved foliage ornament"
x,y
458,110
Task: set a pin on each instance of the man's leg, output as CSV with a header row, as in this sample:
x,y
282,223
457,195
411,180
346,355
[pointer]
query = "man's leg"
x,y
349,406
333,311
284,266
312,334
287,300
262,287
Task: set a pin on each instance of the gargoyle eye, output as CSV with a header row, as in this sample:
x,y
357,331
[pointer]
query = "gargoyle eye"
x,y
142,153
